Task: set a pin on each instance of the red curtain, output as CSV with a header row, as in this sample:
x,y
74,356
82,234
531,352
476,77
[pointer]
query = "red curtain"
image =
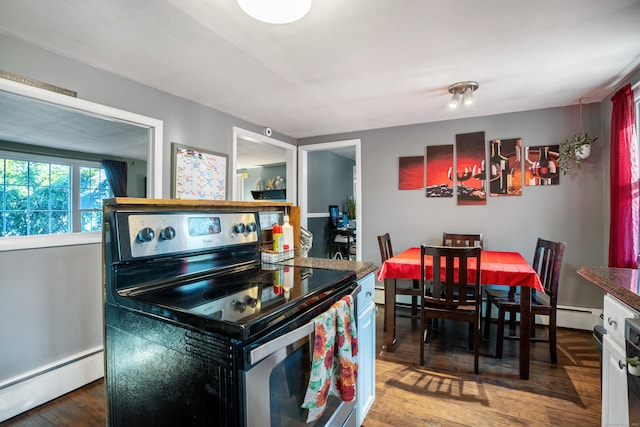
x,y
623,230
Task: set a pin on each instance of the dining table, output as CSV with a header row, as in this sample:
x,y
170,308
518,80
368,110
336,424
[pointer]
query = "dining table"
x,y
496,268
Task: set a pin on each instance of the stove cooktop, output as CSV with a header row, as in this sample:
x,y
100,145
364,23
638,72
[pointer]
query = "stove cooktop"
x,y
242,304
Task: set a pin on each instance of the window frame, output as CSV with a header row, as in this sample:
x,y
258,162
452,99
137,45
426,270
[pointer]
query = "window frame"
x,y
58,239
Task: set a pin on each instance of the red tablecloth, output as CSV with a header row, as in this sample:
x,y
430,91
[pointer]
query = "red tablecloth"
x,y
497,268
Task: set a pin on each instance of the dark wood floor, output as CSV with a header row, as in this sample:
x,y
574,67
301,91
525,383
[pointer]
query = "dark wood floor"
x,y
444,392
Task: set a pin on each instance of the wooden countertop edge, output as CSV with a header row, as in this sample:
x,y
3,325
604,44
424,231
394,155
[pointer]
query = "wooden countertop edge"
x,y
609,286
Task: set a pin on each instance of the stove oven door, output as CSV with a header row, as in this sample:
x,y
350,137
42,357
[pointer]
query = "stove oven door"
x,y
276,384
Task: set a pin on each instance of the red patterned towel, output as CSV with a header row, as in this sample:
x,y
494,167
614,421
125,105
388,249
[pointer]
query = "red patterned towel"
x,y
334,368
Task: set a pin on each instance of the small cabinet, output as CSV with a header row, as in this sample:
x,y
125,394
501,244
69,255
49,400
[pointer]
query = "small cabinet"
x,y
366,386
615,406
615,403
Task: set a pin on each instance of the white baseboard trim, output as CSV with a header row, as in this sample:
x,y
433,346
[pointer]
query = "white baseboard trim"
x,y
568,317
31,389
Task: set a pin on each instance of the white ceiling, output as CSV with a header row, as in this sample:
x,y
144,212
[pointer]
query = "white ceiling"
x,y
348,65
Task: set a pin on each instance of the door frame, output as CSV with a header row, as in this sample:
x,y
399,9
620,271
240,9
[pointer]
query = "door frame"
x,y
303,152
292,161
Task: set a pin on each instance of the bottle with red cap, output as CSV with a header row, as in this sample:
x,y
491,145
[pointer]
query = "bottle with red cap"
x,y
278,243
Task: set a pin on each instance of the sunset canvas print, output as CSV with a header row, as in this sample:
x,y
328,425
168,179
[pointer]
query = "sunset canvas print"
x,y
439,164
411,173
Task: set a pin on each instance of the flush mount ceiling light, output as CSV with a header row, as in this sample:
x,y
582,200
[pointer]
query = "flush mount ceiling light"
x,y
462,93
276,11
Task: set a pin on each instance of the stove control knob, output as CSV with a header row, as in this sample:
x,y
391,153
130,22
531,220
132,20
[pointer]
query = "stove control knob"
x,y
239,306
145,235
251,227
167,233
238,228
250,301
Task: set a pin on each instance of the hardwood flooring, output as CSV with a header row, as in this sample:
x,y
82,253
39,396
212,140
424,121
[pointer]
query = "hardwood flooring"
x,y
444,392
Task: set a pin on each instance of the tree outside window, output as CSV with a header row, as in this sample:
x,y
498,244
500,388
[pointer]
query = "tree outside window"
x,y
36,197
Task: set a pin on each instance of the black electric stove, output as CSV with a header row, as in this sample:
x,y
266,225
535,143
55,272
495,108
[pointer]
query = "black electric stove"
x,y
186,298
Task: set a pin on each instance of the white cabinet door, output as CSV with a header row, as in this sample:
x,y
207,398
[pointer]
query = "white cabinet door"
x,y
366,386
615,404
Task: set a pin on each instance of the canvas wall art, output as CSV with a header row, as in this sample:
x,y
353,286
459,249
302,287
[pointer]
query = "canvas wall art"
x,y
541,165
411,173
439,165
505,172
470,171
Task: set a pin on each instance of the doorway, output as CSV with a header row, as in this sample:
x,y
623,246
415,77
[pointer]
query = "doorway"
x,y
252,150
313,214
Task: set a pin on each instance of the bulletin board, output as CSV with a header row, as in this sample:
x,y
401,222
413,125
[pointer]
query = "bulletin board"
x,y
198,174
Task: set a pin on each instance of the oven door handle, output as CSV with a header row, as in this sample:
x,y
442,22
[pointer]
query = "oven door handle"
x,y
265,350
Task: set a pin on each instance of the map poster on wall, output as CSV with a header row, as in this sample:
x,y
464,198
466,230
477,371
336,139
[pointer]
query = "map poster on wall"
x,y
198,174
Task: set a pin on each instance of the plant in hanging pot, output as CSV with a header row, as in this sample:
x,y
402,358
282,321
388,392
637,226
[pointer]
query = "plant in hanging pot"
x,y
576,148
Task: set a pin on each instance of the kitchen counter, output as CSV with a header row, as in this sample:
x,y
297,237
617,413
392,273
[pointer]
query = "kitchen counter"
x,y
621,283
361,268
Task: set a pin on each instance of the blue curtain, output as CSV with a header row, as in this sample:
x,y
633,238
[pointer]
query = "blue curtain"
x,y
117,176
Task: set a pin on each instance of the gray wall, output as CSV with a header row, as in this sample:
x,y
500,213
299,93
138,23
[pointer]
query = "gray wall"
x,y
50,306
573,211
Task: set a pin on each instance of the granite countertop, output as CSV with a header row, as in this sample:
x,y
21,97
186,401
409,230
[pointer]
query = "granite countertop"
x,y
361,268
621,283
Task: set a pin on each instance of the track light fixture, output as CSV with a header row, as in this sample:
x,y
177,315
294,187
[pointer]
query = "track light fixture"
x,y
462,93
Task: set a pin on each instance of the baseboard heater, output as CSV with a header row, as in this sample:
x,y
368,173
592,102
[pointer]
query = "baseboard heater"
x,y
30,389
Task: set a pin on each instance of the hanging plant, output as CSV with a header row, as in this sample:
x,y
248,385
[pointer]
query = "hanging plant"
x,y
576,148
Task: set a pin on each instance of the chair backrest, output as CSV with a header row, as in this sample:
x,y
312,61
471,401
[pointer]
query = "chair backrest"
x,y
386,251
547,262
455,287
458,240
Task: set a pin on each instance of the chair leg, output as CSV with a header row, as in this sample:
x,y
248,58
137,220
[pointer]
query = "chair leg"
x,y
500,333
423,328
471,336
512,323
414,299
476,346
487,319
553,350
384,322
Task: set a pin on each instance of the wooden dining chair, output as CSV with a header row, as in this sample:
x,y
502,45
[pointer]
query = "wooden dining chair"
x,y
403,287
441,296
458,240
547,262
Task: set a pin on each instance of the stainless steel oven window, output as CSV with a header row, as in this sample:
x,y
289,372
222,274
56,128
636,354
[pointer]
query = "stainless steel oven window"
x,y
275,387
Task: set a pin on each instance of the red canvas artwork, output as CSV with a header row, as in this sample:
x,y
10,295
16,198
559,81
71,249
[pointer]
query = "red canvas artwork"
x,y
471,173
411,173
439,163
541,165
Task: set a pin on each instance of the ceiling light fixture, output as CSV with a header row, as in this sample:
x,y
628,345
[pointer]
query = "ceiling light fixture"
x,y
276,11
462,93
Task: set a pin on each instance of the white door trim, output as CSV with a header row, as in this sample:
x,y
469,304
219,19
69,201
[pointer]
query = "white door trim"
x,y
303,152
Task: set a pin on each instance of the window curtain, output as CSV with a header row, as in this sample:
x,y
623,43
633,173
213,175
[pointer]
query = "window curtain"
x,y
623,229
117,176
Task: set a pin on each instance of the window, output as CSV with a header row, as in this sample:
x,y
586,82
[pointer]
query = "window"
x,y
93,188
39,196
